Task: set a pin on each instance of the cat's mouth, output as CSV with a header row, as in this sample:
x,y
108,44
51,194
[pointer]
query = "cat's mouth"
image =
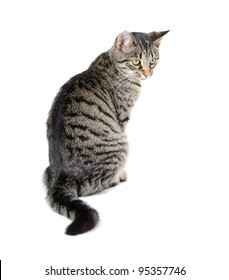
x,y
145,76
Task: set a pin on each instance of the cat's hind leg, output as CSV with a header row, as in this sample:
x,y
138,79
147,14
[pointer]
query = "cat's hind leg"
x,y
100,179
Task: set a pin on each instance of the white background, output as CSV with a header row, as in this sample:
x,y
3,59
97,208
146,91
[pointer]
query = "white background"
x,y
173,211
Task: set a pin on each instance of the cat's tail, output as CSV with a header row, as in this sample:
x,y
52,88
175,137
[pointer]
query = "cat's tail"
x,y
62,197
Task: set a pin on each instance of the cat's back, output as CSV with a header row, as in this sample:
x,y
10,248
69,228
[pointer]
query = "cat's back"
x,y
84,103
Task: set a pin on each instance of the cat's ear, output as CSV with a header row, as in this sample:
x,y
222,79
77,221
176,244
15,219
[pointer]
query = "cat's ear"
x,y
125,42
156,37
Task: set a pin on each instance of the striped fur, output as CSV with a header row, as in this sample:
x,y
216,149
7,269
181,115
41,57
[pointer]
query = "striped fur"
x,y
86,126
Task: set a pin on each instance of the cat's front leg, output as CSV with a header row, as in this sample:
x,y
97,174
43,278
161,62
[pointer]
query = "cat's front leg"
x,y
123,176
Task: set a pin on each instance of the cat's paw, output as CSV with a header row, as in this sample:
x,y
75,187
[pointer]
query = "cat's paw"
x,y
123,177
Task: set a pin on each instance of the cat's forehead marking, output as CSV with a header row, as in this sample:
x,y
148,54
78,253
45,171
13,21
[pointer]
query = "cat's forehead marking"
x,y
142,39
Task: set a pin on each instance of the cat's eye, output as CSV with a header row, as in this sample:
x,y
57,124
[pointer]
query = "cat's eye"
x,y
152,62
136,62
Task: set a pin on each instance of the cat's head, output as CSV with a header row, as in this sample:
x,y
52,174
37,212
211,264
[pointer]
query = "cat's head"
x,y
136,54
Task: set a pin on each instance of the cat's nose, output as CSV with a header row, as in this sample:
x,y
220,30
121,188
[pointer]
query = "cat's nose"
x,y
146,73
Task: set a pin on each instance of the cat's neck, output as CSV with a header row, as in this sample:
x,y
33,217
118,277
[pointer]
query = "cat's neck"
x,y
123,90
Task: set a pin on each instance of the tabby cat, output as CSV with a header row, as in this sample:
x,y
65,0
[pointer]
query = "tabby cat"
x,y
86,126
